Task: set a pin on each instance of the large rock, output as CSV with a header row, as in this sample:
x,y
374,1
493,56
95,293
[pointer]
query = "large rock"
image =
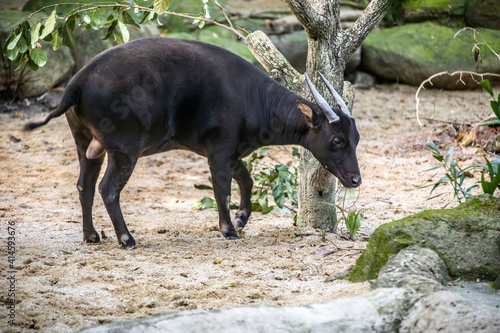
x,y
447,311
414,267
90,43
467,238
483,13
294,47
423,10
413,52
58,66
380,310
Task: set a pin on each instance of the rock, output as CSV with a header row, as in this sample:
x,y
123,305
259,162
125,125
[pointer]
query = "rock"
x,y
219,37
90,43
413,52
59,64
364,80
483,13
294,47
467,238
414,267
424,10
446,311
380,310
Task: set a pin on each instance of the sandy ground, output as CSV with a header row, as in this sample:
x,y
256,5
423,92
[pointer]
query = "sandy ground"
x,y
182,261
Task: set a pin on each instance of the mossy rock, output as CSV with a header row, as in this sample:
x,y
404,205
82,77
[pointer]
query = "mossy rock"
x,y
220,37
413,52
423,10
483,13
467,238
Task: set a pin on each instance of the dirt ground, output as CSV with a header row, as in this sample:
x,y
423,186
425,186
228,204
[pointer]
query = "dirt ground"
x,y
182,261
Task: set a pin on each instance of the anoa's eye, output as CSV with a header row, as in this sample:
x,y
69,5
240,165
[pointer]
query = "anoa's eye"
x,y
338,140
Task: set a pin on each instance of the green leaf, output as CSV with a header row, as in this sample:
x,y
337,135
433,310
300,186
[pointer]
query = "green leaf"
x,y
448,154
161,6
14,41
491,122
128,20
434,168
495,106
86,19
67,37
110,30
49,24
206,11
278,195
203,187
26,33
124,31
70,22
39,56
487,86
266,210
35,35
31,64
57,40
118,38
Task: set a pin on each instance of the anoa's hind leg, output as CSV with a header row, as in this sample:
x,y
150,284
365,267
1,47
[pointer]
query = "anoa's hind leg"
x,y
89,172
120,167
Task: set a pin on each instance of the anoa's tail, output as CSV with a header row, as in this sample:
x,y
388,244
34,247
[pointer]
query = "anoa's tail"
x,y
69,99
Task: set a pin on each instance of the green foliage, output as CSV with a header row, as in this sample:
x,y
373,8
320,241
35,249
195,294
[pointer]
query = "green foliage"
x,y
452,173
352,220
492,168
495,103
271,182
22,46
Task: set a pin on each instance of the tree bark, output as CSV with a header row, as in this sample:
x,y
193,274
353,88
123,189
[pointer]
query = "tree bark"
x,y
329,49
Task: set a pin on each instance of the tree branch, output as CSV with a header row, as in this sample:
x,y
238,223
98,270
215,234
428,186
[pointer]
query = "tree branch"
x,y
312,19
372,15
273,61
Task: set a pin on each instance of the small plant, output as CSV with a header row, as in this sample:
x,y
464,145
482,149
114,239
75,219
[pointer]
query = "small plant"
x,y
452,173
279,181
352,220
495,104
492,168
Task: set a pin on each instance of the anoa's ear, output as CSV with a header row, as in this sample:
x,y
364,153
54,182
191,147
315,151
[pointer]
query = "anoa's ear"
x,y
309,115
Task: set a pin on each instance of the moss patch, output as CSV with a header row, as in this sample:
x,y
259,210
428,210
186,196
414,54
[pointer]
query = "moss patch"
x,y
413,52
467,238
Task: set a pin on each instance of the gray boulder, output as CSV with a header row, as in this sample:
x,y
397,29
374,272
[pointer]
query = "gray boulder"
x,y
294,47
414,267
424,10
467,238
413,52
447,311
483,13
90,43
58,67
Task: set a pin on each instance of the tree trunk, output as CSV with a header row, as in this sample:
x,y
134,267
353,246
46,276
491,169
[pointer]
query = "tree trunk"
x,y
329,49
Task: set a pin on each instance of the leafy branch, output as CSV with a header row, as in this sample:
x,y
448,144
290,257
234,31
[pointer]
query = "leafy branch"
x,y
22,45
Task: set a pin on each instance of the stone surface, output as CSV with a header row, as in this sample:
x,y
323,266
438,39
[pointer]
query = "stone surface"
x,y
483,13
376,311
424,10
414,267
467,238
384,309
90,43
59,64
413,52
445,311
